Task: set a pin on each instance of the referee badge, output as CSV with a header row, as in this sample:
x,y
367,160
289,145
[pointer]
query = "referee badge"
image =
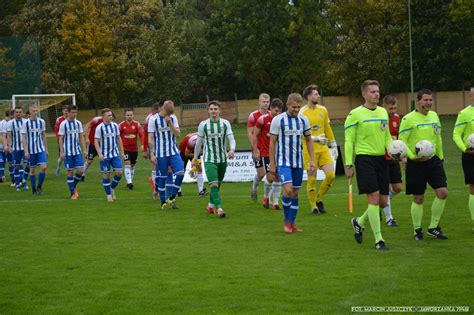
x,y
383,124
436,128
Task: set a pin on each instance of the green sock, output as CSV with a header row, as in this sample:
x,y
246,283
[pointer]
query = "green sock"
x,y
416,214
362,220
216,198
437,209
374,220
471,206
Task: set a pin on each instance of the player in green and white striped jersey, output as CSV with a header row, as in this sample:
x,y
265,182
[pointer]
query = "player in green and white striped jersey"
x,y
462,129
213,133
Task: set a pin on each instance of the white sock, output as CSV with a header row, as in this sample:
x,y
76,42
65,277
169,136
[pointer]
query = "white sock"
x,y
132,171
200,181
391,194
388,211
128,174
86,166
276,190
255,183
267,187
153,175
60,161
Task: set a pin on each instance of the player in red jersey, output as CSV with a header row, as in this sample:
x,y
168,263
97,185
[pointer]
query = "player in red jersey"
x,y
89,131
130,131
59,120
261,151
390,104
263,103
186,150
154,109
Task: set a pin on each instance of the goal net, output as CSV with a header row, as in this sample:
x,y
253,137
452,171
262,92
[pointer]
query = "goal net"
x,y
49,105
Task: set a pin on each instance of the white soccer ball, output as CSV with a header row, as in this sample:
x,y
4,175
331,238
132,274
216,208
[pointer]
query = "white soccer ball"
x,y
424,149
397,149
470,141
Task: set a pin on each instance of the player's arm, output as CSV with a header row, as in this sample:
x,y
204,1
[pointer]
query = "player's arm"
x,y
250,128
151,143
439,143
350,132
43,135
309,142
87,130
97,144
82,141
232,144
404,135
329,133
61,141
9,140
173,123
120,146
141,135
23,141
458,132
199,143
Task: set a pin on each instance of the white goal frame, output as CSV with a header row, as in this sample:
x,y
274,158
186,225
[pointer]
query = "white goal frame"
x,y
14,96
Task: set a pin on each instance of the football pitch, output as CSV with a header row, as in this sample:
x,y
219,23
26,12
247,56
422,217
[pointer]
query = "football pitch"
x,y
90,256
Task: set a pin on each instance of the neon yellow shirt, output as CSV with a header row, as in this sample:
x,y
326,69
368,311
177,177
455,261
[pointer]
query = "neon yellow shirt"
x,y
463,127
318,118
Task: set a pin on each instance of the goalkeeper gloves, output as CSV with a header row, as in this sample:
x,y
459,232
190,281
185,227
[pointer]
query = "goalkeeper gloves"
x,y
321,139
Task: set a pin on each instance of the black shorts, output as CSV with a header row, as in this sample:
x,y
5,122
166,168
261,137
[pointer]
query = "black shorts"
x,y
420,173
394,172
91,152
131,156
468,168
372,174
264,161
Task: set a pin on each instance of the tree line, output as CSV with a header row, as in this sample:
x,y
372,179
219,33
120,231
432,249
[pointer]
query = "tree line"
x,y
128,52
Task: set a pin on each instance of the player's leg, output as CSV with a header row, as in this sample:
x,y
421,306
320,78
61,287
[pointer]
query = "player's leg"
x,y
33,162
169,183
327,167
59,162
42,163
79,167
162,164
116,164
26,172
395,188
177,168
311,181
416,186
17,156
91,154
11,168
437,180
213,180
105,170
297,177
200,181
275,191
221,169
69,166
267,186
286,180
471,203
2,166
257,179
468,169
127,169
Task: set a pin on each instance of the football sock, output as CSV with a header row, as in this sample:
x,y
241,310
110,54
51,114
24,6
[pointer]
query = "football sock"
x,y
294,209
416,214
325,185
33,182
311,191
115,181
471,206
77,179
169,185
255,183
41,177
16,175
267,187
216,198
26,172
127,171
59,162
132,172
2,169
153,176
286,203
177,183
276,191
388,211
362,220
106,184
200,181
86,166
437,208
70,184
373,212
160,186
11,171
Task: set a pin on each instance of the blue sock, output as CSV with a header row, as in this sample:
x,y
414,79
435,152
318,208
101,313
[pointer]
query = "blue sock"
x,y
33,182
294,209
161,187
286,203
17,176
41,178
115,181
11,171
106,184
177,183
70,184
2,169
169,185
26,172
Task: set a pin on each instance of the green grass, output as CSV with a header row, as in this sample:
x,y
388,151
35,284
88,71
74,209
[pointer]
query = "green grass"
x,y
89,256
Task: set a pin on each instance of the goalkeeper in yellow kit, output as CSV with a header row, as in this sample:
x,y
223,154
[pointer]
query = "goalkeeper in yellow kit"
x,y
323,137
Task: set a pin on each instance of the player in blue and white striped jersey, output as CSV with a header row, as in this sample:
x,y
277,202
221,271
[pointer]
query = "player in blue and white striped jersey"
x,y
286,135
72,149
3,140
15,147
109,148
162,132
36,150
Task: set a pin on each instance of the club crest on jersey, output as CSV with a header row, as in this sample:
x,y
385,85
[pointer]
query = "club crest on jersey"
x,y
383,124
133,127
436,128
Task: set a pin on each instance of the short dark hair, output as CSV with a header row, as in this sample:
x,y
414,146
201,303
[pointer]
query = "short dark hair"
x,y
389,99
214,102
7,112
366,83
17,107
276,102
155,106
309,89
128,109
71,107
422,92
106,110
65,107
